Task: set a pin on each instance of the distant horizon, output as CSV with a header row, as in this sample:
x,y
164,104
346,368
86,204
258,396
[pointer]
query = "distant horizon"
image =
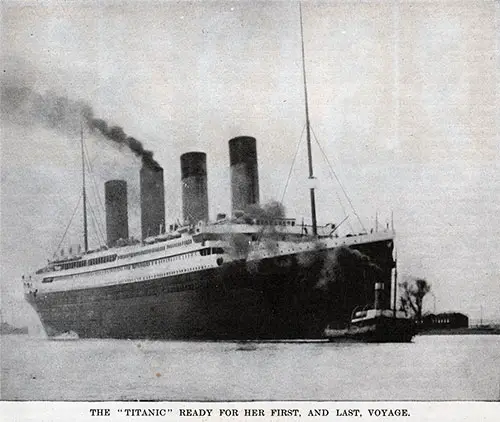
x,y
473,322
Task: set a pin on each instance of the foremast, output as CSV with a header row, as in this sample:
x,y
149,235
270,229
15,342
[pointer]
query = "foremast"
x,y
308,134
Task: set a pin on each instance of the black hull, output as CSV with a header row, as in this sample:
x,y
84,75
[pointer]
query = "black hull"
x,y
287,297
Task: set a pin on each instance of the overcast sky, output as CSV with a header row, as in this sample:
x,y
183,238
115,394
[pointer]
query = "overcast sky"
x,y
404,100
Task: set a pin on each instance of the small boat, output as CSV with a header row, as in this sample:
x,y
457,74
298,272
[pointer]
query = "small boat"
x,y
66,336
375,325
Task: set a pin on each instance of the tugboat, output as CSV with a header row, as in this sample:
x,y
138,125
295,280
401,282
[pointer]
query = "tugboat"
x,y
375,325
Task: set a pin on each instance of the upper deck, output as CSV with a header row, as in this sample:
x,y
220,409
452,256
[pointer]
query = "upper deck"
x,y
189,242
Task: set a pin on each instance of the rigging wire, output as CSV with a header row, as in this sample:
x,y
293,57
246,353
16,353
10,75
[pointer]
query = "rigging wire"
x,y
97,215
293,162
336,192
96,191
338,181
69,224
339,200
97,223
98,234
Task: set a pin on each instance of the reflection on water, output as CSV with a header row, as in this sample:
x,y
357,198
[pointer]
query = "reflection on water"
x,y
431,368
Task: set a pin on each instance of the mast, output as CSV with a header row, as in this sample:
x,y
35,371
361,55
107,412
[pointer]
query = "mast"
x,y
308,132
395,281
85,234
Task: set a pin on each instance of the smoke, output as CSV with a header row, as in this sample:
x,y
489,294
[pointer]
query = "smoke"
x,y
24,106
268,234
240,244
344,265
117,135
269,211
306,260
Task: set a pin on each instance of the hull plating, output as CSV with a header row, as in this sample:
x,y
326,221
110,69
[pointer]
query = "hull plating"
x,y
287,297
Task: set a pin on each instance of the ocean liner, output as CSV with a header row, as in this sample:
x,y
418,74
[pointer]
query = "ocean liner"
x,y
251,275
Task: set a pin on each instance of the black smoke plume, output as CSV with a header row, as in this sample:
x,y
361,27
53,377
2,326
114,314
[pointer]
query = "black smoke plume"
x,y
24,106
116,134
267,235
346,264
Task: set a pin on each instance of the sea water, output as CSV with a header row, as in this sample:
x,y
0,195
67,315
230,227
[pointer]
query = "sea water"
x,y
439,367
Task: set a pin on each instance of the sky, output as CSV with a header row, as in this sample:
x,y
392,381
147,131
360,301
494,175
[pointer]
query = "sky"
x,y
404,101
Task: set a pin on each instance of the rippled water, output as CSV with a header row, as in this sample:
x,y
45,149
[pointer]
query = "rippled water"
x,y
454,367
